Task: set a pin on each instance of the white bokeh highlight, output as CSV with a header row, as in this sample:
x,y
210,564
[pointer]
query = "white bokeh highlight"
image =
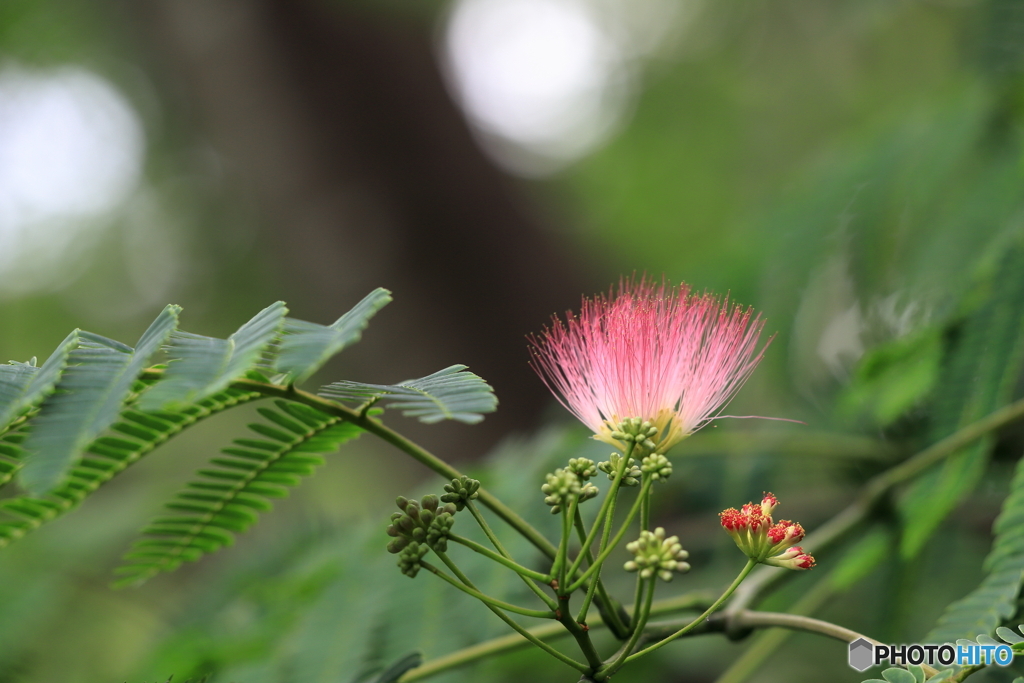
x,y
546,82
71,151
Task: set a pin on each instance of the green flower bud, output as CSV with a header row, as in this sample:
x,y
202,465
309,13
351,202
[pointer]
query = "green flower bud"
x,y
425,523
584,468
655,554
657,466
631,477
397,545
460,491
559,488
588,491
437,533
409,559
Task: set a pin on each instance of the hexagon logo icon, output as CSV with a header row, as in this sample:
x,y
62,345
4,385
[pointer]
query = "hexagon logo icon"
x,y
862,654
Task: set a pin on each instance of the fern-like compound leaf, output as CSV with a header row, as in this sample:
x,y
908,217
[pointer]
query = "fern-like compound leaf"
x,y
980,376
995,598
88,398
23,385
306,346
201,366
449,394
225,499
132,437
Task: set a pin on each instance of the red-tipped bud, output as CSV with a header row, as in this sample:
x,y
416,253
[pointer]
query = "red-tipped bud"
x,y
784,534
752,529
733,519
794,558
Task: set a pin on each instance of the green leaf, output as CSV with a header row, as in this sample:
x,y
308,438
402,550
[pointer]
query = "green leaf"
x,y
980,376
995,598
22,385
225,500
105,458
1008,636
88,398
449,394
866,554
898,676
201,366
893,378
306,346
396,669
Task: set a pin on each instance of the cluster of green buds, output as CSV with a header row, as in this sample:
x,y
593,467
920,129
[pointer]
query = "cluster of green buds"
x,y
559,489
567,482
584,468
630,477
409,558
635,430
657,466
419,527
461,491
655,554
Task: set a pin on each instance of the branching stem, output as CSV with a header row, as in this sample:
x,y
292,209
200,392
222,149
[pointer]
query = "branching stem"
x,y
609,500
607,548
530,637
639,620
494,602
548,600
616,624
518,568
686,629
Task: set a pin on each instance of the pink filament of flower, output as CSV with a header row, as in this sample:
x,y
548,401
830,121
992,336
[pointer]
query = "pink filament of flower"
x,y
647,351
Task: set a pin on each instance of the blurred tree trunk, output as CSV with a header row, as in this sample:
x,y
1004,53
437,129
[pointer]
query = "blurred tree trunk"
x,y
368,176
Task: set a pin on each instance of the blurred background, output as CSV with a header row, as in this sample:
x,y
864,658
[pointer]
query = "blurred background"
x,y
852,169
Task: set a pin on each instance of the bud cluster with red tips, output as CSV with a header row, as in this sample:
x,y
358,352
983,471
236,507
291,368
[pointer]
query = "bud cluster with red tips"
x,y
764,541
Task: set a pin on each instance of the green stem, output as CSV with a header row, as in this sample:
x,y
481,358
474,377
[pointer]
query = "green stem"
x,y
607,550
588,597
608,500
518,568
558,565
582,635
484,650
615,622
549,601
494,602
513,642
640,620
645,513
512,623
567,517
488,532
637,597
684,630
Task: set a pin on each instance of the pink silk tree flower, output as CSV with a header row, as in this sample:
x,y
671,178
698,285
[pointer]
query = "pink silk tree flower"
x,y
650,353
